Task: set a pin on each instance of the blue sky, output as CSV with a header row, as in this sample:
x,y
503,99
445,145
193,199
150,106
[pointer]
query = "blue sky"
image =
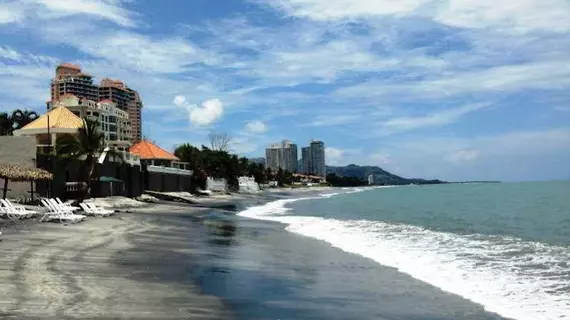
x,y
450,89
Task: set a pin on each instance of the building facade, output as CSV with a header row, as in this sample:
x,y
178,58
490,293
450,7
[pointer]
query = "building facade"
x,y
318,165
313,159
306,160
69,79
113,122
282,155
126,99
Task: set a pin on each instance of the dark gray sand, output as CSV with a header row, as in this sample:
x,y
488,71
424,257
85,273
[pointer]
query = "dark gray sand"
x,y
188,263
122,267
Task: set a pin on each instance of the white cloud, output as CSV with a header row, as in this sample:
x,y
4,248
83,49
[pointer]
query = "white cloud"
x,y
10,13
334,156
463,156
256,127
435,119
180,101
346,9
208,113
548,75
334,120
131,50
23,79
380,158
519,16
9,53
109,10
508,16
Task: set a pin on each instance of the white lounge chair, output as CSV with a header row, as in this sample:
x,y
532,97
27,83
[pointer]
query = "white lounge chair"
x,y
66,205
12,214
20,208
98,209
57,213
90,210
62,206
16,211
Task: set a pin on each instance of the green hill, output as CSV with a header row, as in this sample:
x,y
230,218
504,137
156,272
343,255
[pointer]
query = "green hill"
x,y
381,176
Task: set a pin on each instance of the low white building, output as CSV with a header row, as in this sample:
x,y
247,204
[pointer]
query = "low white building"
x,y
248,185
216,184
371,179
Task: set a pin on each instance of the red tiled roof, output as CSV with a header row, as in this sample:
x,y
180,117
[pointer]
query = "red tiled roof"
x,y
105,100
147,150
69,65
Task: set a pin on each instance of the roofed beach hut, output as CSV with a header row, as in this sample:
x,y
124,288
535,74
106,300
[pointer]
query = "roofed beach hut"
x,y
12,172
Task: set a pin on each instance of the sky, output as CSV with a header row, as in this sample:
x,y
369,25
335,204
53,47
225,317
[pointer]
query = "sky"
x,y
448,89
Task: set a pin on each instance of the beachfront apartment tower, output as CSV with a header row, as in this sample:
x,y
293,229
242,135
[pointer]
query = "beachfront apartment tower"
x,y
282,155
313,159
126,99
69,79
317,156
305,160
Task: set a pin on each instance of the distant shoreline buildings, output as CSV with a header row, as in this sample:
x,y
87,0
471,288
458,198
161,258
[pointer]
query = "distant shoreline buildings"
x,y
284,155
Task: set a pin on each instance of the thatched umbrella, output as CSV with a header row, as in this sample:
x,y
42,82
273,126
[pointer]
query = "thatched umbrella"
x,y
16,173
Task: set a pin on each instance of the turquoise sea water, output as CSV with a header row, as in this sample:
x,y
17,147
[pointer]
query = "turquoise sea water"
x,y
505,246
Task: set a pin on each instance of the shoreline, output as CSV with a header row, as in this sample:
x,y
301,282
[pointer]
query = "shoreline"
x,y
140,259
173,261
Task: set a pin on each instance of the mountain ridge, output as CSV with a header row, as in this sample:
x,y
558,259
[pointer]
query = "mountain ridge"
x,y
381,176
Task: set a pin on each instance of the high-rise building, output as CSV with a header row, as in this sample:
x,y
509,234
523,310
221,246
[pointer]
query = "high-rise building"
x,y
69,79
317,156
313,159
306,160
282,155
126,99
272,157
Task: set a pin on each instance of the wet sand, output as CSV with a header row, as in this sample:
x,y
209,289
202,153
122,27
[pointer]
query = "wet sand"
x,y
265,272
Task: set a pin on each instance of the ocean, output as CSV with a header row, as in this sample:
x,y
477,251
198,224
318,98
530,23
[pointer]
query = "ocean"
x,y
503,246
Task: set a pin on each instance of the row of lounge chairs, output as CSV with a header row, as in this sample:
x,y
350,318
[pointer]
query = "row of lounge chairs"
x,y
53,209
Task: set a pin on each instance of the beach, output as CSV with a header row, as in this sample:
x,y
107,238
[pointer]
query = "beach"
x,y
175,261
130,266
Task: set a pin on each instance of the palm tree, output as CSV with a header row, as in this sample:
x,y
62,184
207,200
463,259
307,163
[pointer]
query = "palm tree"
x,y
21,118
86,144
6,124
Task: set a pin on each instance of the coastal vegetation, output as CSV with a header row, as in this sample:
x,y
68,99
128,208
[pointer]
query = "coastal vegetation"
x,y
15,120
340,181
86,145
207,162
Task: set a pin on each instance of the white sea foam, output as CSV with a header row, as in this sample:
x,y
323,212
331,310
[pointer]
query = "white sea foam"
x,y
514,278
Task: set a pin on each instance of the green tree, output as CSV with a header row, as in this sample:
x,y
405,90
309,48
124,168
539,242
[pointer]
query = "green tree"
x,y
280,177
192,155
85,145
